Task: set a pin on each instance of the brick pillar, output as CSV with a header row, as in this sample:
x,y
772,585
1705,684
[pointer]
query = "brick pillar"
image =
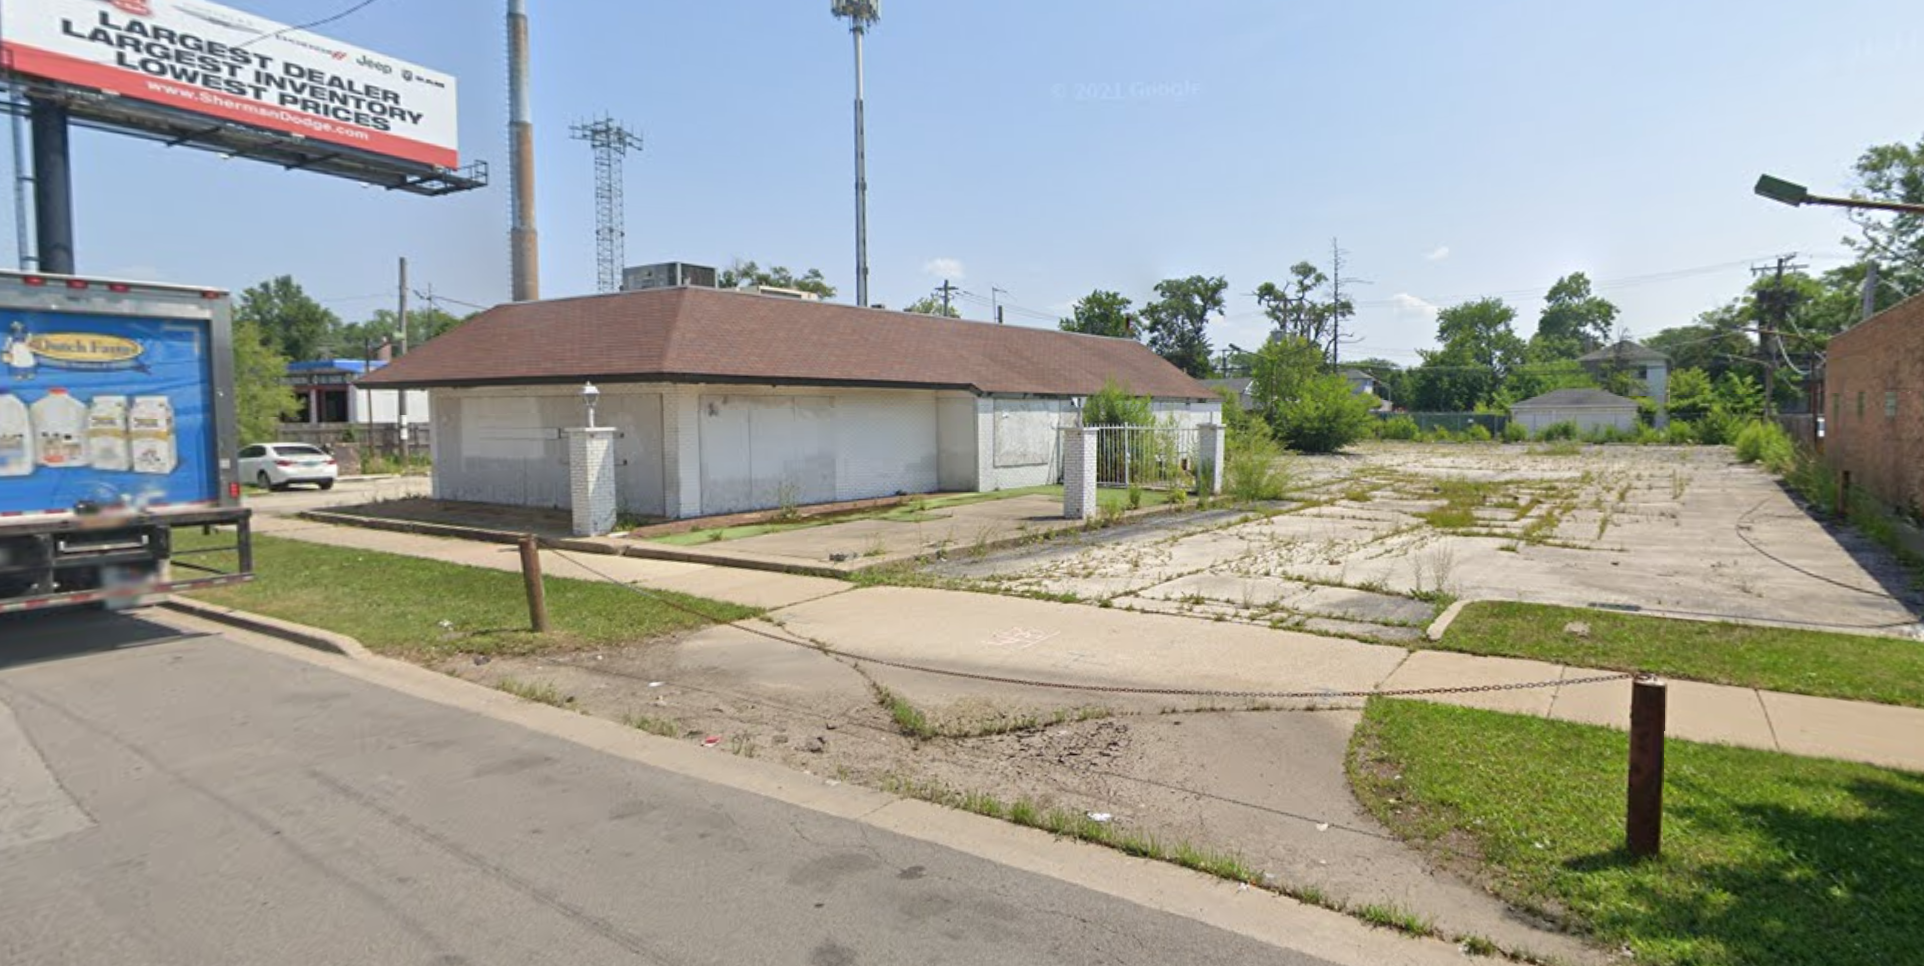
x,y
1078,472
591,479
1209,452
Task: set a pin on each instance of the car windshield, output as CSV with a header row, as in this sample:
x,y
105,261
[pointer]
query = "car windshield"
x,y
299,450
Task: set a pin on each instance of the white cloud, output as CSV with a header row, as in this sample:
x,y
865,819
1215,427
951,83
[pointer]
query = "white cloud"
x,y
945,268
1438,254
1406,303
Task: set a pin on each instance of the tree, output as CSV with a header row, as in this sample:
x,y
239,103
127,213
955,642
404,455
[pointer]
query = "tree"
x,y
1715,342
740,273
1177,321
1892,172
1306,305
929,305
1691,394
1102,313
1281,369
1574,320
352,340
1325,416
1480,351
291,321
262,398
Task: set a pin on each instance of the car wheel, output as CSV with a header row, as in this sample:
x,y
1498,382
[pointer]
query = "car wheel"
x,y
264,481
327,485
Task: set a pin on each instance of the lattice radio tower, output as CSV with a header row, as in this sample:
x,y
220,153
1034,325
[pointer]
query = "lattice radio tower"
x,y
610,141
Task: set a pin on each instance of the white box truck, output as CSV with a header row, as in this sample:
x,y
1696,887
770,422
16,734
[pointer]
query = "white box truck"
x,y
117,435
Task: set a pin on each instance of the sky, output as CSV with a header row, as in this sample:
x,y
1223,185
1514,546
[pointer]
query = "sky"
x,y
1455,149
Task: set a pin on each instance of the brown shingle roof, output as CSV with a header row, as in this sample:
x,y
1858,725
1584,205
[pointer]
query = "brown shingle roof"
x,y
695,335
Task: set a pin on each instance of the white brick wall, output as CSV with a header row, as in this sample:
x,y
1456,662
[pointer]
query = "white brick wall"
x,y
591,479
1078,473
1209,447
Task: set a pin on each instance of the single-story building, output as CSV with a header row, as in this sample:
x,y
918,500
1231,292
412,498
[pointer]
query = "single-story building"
x,y
327,393
1874,436
1238,385
1589,409
728,401
1363,382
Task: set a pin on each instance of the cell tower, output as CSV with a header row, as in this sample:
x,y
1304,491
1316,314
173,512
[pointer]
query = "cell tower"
x,y
610,141
861,14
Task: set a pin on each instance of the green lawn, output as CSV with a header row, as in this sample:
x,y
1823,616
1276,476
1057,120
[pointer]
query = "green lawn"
x,y
1768,858
396,604
1888,670
917,510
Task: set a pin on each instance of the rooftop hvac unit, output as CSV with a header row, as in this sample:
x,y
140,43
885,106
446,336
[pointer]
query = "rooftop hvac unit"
x,y
665,275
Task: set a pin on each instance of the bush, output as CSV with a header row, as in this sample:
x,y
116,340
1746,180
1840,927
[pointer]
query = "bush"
x,y
1560,430
1398,428
1768,445
1650,436
1718,427
1681,432
1514,432
1477,433
1255,471
1439,434
1114,405
1325,417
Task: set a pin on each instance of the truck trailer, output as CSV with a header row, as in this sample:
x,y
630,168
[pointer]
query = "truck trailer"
x,y
117,442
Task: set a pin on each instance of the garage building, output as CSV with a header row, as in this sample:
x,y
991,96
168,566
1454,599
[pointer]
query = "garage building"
x,y
1589,409
728,401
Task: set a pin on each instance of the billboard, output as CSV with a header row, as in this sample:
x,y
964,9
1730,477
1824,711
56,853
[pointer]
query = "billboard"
x,y
207,59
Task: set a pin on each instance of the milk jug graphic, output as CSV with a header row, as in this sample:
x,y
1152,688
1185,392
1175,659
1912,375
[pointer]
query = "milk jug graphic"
x,y
16,437
60,429
150,429
107,447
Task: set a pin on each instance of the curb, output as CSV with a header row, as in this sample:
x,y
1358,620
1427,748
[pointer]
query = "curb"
x,y
1442,623
315,638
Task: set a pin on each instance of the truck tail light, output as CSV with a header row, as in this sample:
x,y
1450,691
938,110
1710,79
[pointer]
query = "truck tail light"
x,y
233,489
76,283
119,287
34,280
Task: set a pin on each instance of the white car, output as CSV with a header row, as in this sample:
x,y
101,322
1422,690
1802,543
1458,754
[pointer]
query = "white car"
x,y
274,466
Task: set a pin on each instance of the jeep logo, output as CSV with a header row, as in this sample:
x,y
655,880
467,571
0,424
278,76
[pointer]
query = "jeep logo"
x,y
372,64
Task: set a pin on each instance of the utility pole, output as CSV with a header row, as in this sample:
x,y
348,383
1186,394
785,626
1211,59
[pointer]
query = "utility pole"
x,y
995,303
401,316
1870,291
947,289
1338,309
1773,305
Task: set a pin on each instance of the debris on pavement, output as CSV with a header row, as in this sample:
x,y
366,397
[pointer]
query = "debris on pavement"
x,y
711,741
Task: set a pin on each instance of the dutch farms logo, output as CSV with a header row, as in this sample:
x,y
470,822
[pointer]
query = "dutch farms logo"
x,y
85,350
133,8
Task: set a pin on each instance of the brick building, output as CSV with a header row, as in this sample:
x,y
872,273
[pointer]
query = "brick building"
x,y
728,401
1874,376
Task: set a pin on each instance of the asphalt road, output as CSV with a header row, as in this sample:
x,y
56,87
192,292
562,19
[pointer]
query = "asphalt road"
x,y
174,798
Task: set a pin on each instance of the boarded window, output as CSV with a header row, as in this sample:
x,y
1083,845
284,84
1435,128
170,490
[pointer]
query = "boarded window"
x,y
1890,403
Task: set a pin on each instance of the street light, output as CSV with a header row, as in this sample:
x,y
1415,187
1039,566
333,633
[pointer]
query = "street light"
x,y
589,395
860,14
1792,194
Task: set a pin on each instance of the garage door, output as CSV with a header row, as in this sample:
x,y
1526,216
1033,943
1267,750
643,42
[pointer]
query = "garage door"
x,y
759,452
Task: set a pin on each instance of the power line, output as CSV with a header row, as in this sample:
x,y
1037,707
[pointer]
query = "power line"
x,y
306,26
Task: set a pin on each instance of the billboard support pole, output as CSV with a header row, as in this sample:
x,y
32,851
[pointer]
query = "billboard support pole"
x,y
52,187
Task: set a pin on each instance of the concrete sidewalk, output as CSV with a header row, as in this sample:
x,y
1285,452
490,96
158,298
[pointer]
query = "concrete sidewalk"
x,y
1074,643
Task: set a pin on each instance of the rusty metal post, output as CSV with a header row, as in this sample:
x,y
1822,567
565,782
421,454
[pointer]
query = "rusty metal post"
x,y
1643,823
531,576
